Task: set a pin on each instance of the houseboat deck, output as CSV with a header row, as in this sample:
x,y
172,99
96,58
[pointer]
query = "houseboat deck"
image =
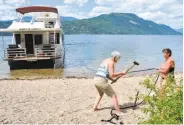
x,y
30,58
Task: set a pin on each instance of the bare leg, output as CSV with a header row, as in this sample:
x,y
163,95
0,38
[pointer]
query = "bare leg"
x,y
98,99
115,103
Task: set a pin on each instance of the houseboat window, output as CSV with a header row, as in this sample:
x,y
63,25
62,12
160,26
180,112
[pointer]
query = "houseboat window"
x,y
49,24
38,39
57,38
17,38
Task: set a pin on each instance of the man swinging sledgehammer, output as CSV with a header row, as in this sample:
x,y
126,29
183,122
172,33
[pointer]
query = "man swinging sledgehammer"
x,y
105,71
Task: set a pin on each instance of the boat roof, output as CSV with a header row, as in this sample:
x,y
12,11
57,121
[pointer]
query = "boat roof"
x,y
30,9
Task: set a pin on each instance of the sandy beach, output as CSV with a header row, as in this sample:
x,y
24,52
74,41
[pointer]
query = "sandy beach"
x,y
65,100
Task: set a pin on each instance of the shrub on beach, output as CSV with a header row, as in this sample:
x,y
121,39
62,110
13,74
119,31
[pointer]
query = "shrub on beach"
x,y
165,106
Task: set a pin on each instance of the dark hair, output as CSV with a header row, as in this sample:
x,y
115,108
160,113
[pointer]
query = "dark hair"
x,y
167,50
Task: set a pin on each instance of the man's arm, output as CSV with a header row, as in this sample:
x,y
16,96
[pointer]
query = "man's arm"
x,y
112,74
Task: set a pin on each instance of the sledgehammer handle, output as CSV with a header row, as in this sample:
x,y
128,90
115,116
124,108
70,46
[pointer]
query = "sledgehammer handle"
x,y
135,63
129,68
121,76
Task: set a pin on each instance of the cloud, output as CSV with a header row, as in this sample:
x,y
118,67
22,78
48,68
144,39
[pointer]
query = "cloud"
x,y
7,8
103,2
12,2
76,2
67,10
118,2
162,18
157,4
152,15
96,11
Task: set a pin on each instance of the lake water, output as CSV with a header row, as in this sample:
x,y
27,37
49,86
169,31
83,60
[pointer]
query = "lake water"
x,y
87,51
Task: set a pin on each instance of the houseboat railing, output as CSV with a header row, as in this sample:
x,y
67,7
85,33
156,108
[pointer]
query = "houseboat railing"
x,y
10,53
18,53
47,52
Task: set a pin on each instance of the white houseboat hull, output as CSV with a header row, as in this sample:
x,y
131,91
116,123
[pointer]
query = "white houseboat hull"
x,y
39,64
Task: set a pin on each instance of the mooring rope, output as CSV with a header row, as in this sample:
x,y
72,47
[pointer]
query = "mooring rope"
x,y
128,72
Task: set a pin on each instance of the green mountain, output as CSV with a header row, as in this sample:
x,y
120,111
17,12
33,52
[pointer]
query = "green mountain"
x,y
114,23
117,23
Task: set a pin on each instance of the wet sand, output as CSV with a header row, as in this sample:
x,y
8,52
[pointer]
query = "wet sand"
x,y
65,100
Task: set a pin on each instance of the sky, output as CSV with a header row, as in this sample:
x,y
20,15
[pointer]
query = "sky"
x,y
169,12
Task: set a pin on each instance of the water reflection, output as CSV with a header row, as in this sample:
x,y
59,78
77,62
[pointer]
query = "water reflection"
x,y
36,73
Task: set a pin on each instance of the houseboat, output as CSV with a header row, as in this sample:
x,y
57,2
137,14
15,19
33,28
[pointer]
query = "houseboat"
x,y
37,43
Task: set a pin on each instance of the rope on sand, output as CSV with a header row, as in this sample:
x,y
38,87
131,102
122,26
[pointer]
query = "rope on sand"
x,y
91,69
115,116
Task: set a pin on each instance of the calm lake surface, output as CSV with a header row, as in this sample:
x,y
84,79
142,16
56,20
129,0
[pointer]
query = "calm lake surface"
x,y
87,51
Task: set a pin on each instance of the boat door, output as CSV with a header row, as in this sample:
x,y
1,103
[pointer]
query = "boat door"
x,y
29,43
